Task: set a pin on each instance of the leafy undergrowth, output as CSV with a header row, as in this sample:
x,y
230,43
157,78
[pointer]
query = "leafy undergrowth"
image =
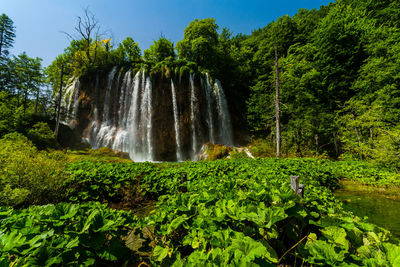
x,y
366,173
103,154
228,212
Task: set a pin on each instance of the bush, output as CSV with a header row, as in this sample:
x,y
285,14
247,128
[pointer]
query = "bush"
x,y
238,155
42,136
27,176
261,148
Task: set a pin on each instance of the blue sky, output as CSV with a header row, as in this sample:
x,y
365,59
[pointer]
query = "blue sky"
x,y
39,22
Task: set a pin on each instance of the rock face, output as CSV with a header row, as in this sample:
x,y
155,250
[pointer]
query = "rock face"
x,y
153,118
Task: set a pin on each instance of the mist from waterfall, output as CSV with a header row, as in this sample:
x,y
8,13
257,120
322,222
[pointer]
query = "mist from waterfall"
x,y
123,115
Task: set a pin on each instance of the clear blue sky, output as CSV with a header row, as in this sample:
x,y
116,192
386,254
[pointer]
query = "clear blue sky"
x,y
39,22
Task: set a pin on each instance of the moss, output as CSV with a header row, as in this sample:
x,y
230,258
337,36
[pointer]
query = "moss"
x,y
217,151
261,148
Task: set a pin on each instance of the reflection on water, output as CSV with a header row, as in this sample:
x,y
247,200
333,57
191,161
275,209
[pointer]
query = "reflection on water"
x,y
380,210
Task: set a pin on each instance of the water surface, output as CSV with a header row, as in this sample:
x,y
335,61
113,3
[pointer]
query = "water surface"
x,y
379,208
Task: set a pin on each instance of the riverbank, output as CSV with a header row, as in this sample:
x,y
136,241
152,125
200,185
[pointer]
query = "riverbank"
x,y
380,204
390,192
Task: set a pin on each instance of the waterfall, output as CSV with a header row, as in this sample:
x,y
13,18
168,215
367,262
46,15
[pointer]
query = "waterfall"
x,y
76,99
69,96
125,109
120,140
226,136
210,121
176,123
94,125
105,133
133,118
148,92
193,101
140,119
107,97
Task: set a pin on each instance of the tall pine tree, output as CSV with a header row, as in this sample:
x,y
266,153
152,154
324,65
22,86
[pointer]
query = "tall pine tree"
x,y
7,34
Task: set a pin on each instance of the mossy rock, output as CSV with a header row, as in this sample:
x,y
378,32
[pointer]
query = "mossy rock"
x,y
217,151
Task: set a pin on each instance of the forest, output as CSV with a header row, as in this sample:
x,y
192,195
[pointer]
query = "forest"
x,y
335,125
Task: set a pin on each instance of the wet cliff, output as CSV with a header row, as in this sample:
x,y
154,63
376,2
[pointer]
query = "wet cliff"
x,y
152,117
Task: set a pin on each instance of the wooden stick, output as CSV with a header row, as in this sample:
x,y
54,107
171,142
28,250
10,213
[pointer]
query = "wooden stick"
x,y
295,245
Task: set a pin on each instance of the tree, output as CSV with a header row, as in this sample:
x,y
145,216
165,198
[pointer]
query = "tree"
x,y
160,50
200,42
29,76
130,50
88,31
7,34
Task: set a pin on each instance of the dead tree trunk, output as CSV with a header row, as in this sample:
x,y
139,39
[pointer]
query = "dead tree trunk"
x,y
277,117
296,186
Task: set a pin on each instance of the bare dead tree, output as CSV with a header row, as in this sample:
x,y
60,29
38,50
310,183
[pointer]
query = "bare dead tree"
x,y
88,26
87,29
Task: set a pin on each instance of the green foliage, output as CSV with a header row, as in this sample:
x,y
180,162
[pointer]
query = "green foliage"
x,y
27,175
160,50
66,234
96,181
225,213
7,34
130,50
200,42
261,148
366,173
338,60
42,136
235,154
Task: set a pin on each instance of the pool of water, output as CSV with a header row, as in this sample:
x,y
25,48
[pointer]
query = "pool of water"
x,y
379,209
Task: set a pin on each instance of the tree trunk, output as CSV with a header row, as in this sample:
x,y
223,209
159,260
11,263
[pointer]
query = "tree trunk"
x,y
1,41
95,51
371,135
357,131
277,118
335,141
59,103
88,51
37,101
25,103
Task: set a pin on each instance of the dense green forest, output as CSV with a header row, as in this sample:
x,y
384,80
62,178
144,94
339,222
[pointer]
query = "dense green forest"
x,y
339,76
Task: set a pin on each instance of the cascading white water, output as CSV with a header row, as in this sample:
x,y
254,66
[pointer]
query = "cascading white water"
x,y
176,123
76,98
124,114
140,121
149,125
95,124
107,97
193,102
121,135
225,132
210,121
70,95
133,117
106,130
